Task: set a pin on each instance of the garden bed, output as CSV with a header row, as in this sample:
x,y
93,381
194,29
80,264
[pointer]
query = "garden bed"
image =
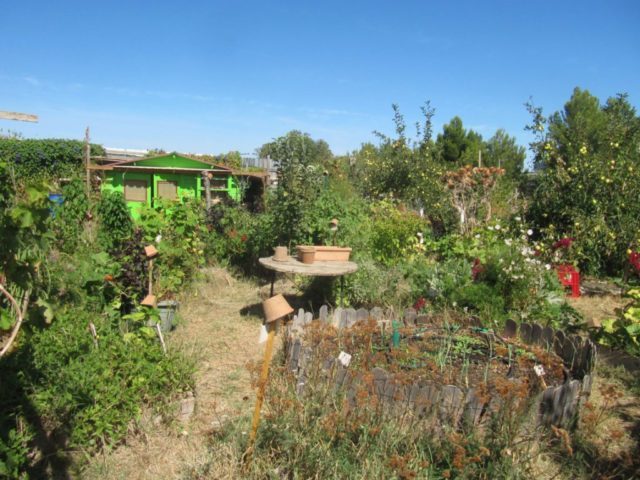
x,y
446,366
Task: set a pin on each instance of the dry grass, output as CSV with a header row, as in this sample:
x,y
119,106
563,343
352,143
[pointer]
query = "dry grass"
x,y
596,308
221,318
220,330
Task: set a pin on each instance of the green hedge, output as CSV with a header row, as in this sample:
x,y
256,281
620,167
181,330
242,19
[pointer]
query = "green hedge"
x,y
46,158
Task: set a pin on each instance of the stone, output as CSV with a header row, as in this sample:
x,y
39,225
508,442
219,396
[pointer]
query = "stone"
x,y
187,408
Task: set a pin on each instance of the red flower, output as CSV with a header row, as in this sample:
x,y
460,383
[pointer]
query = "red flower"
x,y
243,238
420,304
563,243
634,260
477,269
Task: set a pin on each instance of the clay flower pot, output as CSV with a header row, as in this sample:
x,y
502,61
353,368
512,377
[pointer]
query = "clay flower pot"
x,y
281,254
150,251
306,254
276,308
332,254
149,301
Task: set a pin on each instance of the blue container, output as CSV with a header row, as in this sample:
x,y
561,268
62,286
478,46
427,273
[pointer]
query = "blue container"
x,y
56,199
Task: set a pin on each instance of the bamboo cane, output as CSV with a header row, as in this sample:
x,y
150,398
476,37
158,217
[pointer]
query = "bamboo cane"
x,y
264,375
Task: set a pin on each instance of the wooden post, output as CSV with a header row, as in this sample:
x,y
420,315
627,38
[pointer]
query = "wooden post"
x,y
207,189
87,158
264,375
151,276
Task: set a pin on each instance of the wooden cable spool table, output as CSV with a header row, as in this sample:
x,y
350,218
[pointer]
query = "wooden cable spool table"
x,y
315,269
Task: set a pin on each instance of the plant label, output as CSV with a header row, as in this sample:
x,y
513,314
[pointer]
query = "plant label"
x,y
263,334
344,358
539,370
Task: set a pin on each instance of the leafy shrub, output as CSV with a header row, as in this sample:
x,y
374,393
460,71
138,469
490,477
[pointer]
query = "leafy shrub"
x,y
24,236
623,331
299,180
76,385
71,215
178,230
589,179
35,159
394,233
14,453
494,273
116,224
232,230
133,270
373,285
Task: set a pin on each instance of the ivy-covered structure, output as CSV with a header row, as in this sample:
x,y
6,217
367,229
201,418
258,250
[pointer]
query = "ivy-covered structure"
x,y
173,176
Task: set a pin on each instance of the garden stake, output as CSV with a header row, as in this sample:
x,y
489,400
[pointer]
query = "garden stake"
x,y
151,276
150,252
264,375
275,308
164,346
94,334
395,339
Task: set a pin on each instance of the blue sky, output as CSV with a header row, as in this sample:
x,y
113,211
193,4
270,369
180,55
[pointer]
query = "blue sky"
x,y
214,76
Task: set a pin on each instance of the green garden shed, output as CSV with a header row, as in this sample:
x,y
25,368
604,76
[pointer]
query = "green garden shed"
x,y
173,176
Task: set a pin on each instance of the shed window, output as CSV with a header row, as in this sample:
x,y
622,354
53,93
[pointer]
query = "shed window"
x,y
135,190
218,183
168,190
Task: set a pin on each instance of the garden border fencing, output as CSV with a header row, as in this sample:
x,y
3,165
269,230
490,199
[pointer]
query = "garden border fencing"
x,y
557,405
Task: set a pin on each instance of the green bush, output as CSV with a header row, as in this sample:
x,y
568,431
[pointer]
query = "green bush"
x,y
299,181
71,215
92,393
36,159
115,220
589,180
394,233
177,228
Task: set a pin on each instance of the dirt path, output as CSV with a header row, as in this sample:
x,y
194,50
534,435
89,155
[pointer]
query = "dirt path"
x,y
220,330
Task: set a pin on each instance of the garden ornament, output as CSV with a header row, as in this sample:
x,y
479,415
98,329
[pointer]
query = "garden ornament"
x,y
149,301
333,224
275,309
151,252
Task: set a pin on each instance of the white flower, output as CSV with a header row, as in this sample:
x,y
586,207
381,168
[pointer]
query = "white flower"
x,y
497,227
158,238
508,242
477,235
518,219
547,266
490,228
529,232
